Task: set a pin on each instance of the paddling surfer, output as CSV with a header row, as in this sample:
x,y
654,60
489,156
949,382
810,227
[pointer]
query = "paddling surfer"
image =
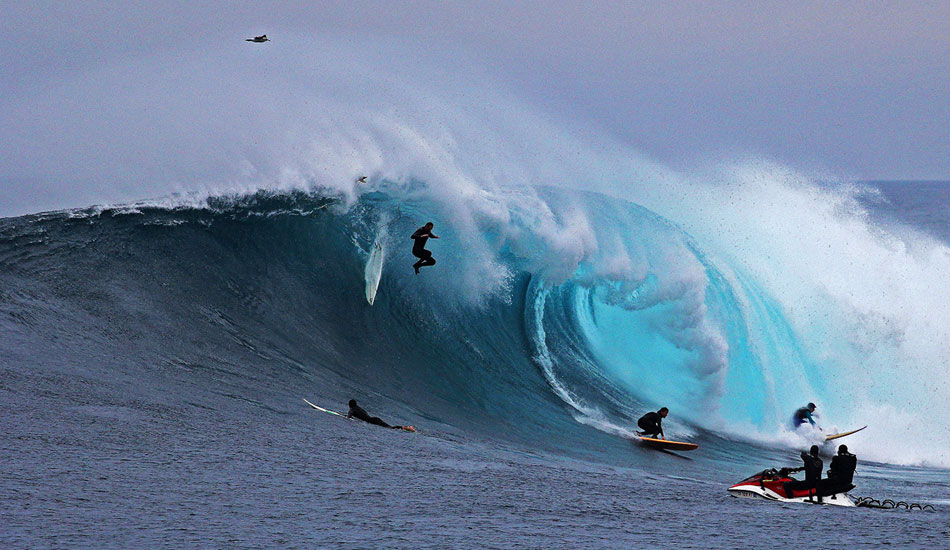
x,y
419,246
652,423
358,412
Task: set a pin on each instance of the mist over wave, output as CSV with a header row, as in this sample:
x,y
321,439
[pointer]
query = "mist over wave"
x,y
732,294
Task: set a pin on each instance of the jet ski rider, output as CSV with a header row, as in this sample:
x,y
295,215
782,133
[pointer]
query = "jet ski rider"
x,y
841,473
813,467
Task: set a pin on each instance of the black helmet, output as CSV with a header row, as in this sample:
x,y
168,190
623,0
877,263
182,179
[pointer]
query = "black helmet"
x,y
842,449
811,406
352,402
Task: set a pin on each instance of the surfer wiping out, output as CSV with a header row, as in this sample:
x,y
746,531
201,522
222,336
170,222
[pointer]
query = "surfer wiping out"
x,y
358,412
652,423
261,38
804,414
419,246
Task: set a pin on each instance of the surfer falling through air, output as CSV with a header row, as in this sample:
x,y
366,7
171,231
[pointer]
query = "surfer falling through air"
x,y
419,246
805,414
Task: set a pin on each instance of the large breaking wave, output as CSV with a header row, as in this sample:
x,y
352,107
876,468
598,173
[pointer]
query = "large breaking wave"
x,y
574,274
614,307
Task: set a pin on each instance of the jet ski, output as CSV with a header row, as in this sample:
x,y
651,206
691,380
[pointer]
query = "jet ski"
x,y
770,485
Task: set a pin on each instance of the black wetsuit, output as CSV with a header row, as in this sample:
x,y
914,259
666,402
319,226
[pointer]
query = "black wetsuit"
x,y
841,473
842,467
357,412
651,424
813,466
419,248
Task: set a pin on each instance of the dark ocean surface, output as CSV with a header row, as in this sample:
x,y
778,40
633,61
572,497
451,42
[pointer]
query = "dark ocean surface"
x,y
153,363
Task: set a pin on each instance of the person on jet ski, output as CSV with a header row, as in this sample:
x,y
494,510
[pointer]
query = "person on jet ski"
x,y
804,414
420,237
813,467
841,473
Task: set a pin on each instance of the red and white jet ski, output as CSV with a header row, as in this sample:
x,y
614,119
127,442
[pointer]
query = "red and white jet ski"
x,y
770,485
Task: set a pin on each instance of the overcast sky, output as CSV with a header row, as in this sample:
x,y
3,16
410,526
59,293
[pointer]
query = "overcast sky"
x,y
858,88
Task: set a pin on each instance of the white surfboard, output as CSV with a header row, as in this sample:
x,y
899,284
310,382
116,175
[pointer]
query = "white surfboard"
x,y
374,270
325,410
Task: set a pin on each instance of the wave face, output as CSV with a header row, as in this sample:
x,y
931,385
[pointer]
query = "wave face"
x,y
544,301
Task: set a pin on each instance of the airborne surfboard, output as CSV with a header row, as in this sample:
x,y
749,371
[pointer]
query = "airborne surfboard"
x,y
374,270
667,444
836,436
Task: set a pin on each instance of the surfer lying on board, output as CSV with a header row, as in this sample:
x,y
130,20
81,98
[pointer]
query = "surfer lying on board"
x,y
358,412
652,423
805,414
419,246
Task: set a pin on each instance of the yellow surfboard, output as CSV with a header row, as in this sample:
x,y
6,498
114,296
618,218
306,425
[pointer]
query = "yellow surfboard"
x,y
667,444
836,436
